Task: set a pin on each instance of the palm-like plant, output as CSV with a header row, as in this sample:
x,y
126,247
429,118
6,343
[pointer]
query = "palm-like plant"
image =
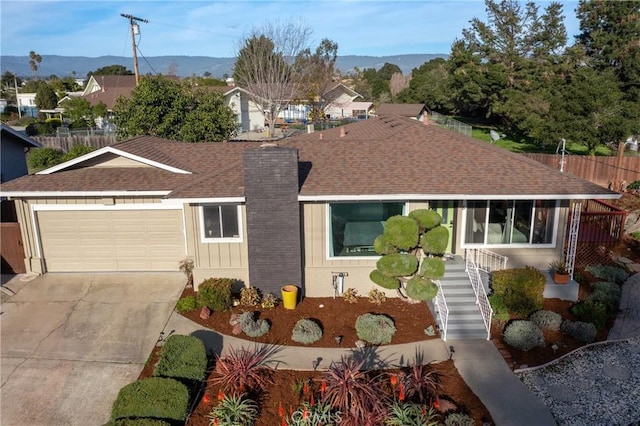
x,y
234,411
242,370
420,382
354,393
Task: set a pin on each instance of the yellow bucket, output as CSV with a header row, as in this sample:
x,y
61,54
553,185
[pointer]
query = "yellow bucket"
x,y
289,296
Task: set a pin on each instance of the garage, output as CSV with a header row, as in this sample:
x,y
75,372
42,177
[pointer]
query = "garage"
x,y
110,238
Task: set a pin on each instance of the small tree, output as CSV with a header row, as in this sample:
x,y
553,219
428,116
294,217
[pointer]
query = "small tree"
x,y
46,97
409,247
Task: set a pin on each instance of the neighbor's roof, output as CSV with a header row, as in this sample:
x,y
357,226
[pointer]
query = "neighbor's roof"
x,y
389,157
406,110
18,136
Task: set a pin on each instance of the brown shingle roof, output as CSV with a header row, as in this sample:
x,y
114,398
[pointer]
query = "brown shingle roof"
x,y
405,110
387,156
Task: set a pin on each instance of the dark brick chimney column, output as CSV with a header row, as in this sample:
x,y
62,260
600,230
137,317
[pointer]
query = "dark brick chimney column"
x,y
273,217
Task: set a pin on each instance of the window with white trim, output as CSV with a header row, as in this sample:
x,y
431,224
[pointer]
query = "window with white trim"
x,y
354,226
510,222
220,223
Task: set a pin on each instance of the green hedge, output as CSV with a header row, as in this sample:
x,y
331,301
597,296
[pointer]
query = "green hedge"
x,y
215,293
183,357
155,397
520,289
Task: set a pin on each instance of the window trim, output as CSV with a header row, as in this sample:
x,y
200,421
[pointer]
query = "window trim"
x,y
463,230
328,237
204,239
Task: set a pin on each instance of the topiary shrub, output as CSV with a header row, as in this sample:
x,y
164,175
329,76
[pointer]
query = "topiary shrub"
x,y
183,357
458,419
608,273
579,330
253,328
432,268
591,311
500,311
520,289
375,329
426,218
435,240
381,245
215,293
546,320
401,232
186,304
523,335
422,289
306,331
155,397
397,265
384,281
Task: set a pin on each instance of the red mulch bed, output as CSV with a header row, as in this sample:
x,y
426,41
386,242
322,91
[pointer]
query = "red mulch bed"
x,y
338,319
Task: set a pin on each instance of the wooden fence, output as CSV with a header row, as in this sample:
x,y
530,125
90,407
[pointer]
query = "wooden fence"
x,y
66,142
600,170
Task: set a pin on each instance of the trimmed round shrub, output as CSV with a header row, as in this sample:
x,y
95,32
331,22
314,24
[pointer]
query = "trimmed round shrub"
x,y
306,331
397,264
458,419
435,240
215,293
523,335
579,330
401,232
426,218
155,397
432,267
521,289
419,288
375,329
381,245
608,293
591,311
384,281
186,304
253,328
183,357
547,320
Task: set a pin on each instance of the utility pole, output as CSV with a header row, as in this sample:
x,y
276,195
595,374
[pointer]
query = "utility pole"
x,y
135,29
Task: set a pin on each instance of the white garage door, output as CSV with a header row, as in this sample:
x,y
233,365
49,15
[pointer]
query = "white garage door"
x,y
111,240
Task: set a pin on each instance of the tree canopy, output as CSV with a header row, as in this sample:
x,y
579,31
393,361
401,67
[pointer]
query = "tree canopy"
x,y
166,108
111,70
46,97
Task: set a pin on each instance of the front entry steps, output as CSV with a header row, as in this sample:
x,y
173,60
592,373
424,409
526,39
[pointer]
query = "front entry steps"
x,y
465,319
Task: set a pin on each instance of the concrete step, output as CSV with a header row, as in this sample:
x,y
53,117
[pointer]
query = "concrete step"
x,y
470,317
460,299
466,334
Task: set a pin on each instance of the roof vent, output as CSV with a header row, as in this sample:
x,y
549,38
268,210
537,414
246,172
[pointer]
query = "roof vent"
x,y
320,136
343,133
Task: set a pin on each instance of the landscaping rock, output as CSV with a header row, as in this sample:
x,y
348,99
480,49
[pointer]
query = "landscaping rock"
x,y
237,329
234,320
205,312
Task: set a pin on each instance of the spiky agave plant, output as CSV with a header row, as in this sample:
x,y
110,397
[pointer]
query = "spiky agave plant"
x,y
421,382
243,370
234,410
355,393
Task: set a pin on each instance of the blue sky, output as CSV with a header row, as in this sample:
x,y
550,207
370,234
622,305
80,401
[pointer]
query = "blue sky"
x,y
214,28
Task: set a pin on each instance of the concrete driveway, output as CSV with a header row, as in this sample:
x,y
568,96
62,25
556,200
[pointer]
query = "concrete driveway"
x,y
69,342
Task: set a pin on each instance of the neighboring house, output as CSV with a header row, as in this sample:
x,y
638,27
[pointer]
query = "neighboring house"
x,y
250,117
299,211
108,88
339,102
416,111
27,104
13,153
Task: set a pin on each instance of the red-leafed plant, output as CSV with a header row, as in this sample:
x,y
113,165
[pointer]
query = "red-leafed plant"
x,y
356,394
243,370
420,383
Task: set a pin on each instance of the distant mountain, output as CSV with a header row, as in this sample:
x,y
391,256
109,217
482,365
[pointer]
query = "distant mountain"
x,y
184,66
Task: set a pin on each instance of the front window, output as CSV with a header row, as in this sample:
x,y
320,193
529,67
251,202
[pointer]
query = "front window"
x,y
510,222
354,226
220,223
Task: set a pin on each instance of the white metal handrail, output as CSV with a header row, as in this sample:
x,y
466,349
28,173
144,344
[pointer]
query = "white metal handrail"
x,y
442,310
481,295
486,260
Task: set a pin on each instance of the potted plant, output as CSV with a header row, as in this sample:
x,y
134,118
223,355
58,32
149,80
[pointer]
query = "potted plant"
x,y
560,272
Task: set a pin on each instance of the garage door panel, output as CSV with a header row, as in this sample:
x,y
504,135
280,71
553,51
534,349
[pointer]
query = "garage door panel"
x,y
113,240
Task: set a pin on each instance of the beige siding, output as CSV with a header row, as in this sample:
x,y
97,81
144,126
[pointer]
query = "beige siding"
x,y
111,240
112,160
229,260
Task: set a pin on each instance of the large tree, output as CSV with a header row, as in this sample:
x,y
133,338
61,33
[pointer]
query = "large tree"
x,y
429,85
34,62
166,108
318,78
115,69
265,66
81,113
46,97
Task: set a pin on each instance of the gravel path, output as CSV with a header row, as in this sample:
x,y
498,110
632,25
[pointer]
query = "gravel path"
x,y
595,385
